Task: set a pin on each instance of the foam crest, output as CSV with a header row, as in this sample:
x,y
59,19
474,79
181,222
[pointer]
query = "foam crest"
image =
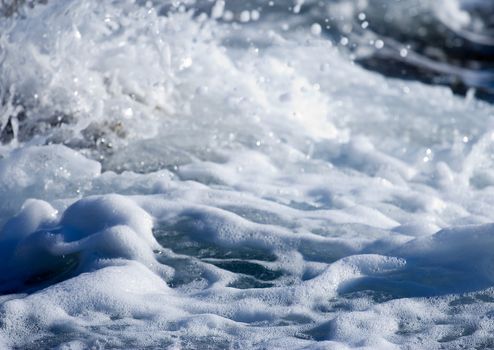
x,y
40,249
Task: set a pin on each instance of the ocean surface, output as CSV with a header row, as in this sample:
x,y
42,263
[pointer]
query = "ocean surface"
x,y
247,174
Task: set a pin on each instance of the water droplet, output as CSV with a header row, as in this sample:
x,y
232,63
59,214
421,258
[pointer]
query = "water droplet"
x,y
186,63
379,44
218,9
316,29
245,16
228,16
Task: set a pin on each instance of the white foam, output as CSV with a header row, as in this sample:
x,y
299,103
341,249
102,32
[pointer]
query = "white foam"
x,y
276,195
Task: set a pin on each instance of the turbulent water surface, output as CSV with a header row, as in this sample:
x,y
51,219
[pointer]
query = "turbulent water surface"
x,y
210,175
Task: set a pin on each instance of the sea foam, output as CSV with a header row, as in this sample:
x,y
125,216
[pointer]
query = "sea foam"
x,y
170,180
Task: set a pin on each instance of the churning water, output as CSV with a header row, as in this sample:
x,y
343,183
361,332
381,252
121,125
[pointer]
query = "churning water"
x,y
209,175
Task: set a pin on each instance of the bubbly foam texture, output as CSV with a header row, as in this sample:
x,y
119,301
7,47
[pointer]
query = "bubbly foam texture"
x,y
171,181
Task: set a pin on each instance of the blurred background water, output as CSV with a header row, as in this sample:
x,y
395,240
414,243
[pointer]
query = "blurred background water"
x,y
444,42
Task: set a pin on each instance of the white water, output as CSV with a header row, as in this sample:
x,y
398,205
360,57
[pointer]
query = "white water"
x,y
173,181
